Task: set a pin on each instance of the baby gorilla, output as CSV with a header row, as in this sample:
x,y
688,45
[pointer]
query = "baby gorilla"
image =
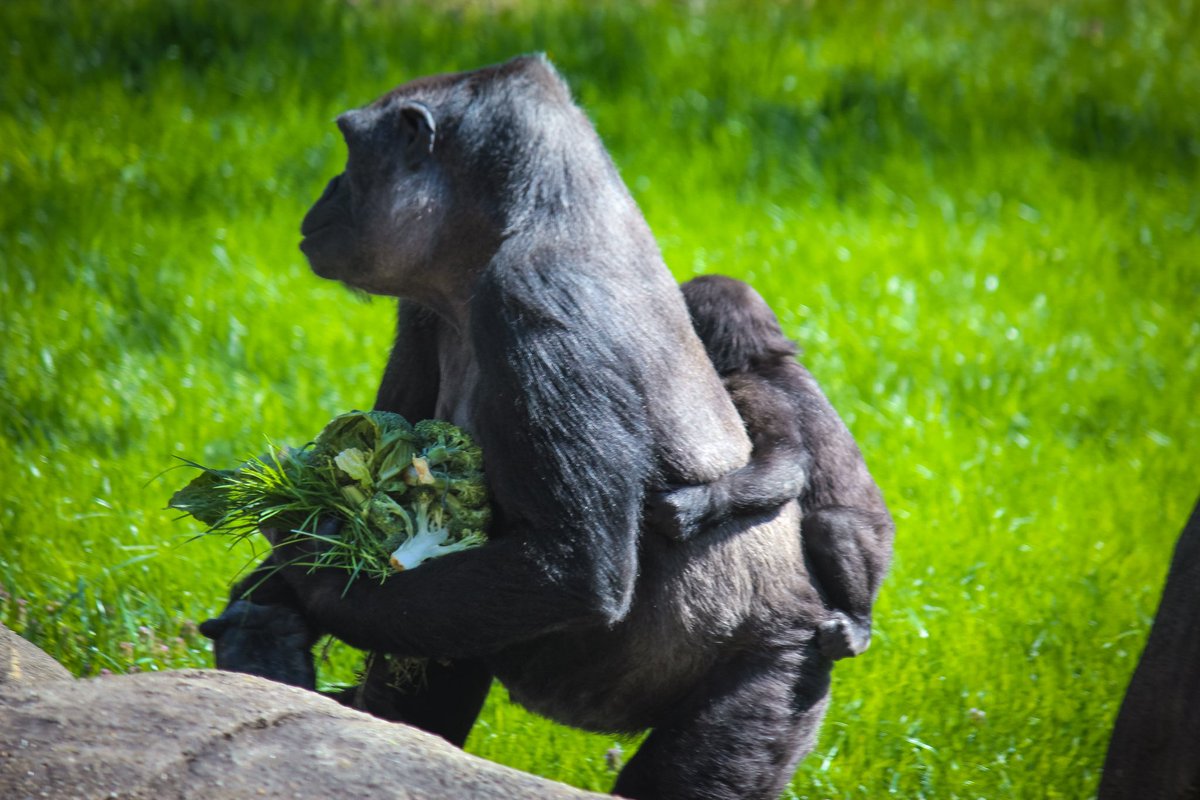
x,y
802,450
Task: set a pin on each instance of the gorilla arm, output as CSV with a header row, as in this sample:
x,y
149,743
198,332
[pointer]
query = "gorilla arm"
x,y
410,379
562,427
409,388
270,647
462,605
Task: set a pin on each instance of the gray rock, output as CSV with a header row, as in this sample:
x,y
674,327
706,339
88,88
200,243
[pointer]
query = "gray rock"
x,y
23,664
208,734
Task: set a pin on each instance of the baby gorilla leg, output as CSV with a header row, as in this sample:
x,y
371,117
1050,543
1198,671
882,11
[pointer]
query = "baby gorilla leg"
x,y
847,557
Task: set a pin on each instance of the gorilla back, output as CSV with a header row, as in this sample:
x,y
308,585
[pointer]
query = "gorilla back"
x,y
537,313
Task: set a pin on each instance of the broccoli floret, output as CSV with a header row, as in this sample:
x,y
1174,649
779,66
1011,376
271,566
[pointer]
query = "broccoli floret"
x,y
431,536
390,518
470,493
447,447
465,517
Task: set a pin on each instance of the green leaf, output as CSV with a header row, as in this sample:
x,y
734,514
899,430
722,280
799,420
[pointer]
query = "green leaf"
x,y
205,497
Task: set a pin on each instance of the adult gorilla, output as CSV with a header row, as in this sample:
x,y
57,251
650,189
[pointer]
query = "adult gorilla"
x,y
1154,744
538,315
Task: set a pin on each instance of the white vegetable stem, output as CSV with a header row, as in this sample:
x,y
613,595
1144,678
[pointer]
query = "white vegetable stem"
x,y
428,544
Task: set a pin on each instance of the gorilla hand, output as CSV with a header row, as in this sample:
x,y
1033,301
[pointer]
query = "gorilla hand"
x,y
263,631
678,513
290,547
843,636
272,642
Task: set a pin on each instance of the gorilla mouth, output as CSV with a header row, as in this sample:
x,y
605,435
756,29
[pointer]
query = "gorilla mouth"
x,y
309,229
318,245
326,212
323,236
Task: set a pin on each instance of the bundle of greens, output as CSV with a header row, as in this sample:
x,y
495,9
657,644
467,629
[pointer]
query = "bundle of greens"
x,y
403,493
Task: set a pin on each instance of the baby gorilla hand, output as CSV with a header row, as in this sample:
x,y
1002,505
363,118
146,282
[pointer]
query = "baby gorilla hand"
x,y
841,636
272,642
678,513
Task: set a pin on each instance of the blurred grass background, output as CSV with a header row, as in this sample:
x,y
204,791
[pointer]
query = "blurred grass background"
x,y
979,219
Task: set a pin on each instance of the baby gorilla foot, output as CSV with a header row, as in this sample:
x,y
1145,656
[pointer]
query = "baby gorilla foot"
x,y
841,636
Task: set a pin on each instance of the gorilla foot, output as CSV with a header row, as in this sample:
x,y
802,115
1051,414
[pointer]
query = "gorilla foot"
x,y
841,636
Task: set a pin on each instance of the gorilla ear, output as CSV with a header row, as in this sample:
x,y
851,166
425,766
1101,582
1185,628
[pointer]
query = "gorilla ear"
x,y
416,120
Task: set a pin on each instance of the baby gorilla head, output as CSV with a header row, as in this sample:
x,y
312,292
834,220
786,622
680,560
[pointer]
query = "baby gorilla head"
x,y
735,324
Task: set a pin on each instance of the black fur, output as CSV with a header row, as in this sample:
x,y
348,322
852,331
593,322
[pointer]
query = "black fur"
x,y
270,641
444,697
1156,738
801,450
539,316
262,632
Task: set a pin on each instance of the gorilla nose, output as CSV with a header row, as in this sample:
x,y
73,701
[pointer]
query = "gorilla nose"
x,y
352,124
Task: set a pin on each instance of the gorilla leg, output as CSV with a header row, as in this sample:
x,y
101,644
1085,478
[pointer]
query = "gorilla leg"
x,y
444,701
847,562
741,738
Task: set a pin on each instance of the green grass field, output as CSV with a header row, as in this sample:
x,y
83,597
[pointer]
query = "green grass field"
x,y
979,219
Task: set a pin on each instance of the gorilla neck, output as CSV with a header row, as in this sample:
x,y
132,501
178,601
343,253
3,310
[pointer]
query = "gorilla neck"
x,y
446,282
458,377
452,310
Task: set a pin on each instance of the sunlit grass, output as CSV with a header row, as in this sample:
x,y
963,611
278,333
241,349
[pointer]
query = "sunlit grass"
x,y
979,220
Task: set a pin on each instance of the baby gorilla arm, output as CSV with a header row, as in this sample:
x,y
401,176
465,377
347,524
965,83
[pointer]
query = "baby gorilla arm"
x,y
847,547
846,559
776,473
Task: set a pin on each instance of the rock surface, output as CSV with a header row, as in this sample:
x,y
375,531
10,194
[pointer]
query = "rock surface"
x,y
23,664
209,734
